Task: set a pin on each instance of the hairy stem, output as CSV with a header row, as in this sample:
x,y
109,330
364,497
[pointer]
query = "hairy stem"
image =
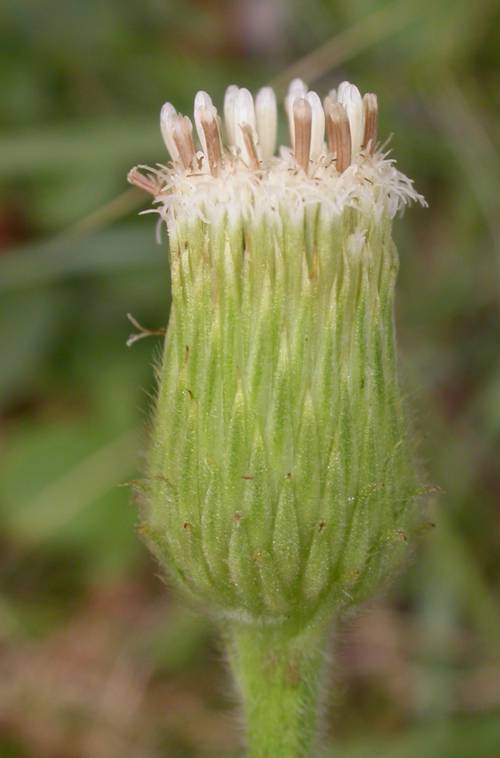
x,y
279,674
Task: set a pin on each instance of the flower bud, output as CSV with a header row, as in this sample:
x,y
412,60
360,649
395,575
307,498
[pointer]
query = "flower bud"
x,y
280,478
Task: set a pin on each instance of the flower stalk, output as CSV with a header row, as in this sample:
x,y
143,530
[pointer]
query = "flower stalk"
x,y
280,676
280,485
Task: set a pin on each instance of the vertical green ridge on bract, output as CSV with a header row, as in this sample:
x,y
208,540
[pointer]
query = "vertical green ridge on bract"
x,y
280,478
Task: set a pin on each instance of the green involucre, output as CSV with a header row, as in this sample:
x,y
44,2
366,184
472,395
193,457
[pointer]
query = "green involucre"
x,y
280,480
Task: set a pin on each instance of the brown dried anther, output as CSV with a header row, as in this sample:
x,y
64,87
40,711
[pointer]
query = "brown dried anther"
x,y
338,134
183,138
370,107
210,126
144,182
253,158
302,119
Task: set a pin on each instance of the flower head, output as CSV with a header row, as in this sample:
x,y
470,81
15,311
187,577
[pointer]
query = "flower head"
x,y
333,160
280,475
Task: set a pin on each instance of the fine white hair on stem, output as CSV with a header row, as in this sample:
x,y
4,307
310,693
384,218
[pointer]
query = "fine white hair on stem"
x,y
266,112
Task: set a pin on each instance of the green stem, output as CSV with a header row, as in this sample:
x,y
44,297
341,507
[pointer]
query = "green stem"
x,y
279,675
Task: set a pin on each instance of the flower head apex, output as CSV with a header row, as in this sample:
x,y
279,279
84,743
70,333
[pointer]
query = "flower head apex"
x,y
333,159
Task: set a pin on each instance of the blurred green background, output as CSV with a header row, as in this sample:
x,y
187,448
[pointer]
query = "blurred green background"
x,y
97,658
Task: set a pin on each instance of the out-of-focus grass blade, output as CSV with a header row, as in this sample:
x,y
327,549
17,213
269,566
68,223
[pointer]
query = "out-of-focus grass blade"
x,y
455,738
475,152
62,499
29,323
369,30
104,215
74,146
121,247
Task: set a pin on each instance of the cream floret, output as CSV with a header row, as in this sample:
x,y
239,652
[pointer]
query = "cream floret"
x,y
238,171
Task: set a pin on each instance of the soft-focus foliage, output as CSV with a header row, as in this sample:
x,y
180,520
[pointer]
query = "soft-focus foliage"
x,y
97,657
